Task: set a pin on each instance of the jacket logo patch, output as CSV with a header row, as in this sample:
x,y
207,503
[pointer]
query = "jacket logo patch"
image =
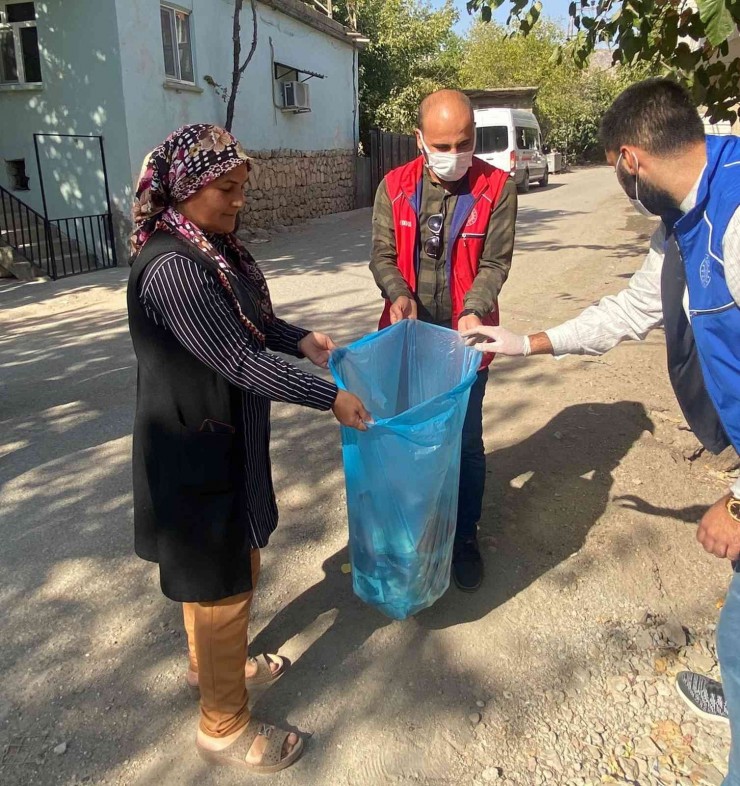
x,y
405,223
705,272
473,218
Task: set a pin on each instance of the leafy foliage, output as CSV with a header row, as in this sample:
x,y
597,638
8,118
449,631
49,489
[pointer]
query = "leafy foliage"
x,y
689,40
570,101
412,52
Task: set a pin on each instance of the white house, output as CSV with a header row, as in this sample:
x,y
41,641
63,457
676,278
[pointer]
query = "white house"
x,y
131,71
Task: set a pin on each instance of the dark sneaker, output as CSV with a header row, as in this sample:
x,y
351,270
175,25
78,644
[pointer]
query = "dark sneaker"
x,y
467,566
703,695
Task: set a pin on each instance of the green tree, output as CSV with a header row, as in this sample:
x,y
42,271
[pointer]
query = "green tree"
x,y
494,58
572,117
412,51
688,40
569,102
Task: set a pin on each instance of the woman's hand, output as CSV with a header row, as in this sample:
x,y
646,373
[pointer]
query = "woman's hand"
x,y
317,348
350,411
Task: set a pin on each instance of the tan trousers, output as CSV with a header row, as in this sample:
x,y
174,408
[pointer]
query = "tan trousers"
x,y
217,646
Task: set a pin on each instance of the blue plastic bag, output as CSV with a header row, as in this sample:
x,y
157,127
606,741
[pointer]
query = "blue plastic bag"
x,y
403,473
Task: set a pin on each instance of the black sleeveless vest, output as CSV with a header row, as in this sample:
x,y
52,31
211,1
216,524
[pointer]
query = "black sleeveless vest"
x,y
189,496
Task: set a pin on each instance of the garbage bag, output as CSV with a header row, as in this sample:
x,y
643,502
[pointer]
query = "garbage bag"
x,y
402,475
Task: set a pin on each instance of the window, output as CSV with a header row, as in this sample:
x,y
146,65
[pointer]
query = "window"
x,y
178,50
493,139
527,138
20,61
17,174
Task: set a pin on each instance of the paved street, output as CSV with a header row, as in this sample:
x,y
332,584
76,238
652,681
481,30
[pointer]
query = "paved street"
x,y
588,536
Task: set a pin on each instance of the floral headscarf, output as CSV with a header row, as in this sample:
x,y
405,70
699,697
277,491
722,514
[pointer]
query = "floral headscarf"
x,y
188,160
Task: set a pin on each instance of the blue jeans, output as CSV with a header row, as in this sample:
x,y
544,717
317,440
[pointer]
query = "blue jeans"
x,y
728,649
472,463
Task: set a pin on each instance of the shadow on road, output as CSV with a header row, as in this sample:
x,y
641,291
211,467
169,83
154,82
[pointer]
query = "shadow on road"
x,y
691,514
526,531
93,655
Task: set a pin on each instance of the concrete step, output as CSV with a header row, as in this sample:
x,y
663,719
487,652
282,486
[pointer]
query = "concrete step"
x,y
70,254
13,264
75,255
23,230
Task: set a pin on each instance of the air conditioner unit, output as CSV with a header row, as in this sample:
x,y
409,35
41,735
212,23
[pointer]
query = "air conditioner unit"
x,y
296,97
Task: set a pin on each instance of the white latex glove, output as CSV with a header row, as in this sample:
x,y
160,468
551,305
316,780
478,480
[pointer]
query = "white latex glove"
x,y
497,339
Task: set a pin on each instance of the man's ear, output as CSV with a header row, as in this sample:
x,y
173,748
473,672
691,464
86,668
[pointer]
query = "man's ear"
x,y
630,159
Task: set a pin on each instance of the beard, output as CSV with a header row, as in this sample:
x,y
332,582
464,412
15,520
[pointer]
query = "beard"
x,y
655,199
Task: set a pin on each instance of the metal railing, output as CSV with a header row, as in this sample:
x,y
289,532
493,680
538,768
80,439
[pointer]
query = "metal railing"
x,y
327,7
82,244
60,247
25,230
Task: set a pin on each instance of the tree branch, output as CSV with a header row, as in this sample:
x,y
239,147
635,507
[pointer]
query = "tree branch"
x,y
253,48
238,70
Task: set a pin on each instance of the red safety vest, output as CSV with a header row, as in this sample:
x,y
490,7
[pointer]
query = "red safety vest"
x,y
467,237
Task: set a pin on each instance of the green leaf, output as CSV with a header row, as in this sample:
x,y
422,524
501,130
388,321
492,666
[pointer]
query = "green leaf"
x,y
572,9
630,46
532,17
717,20
685,58
485,13
715,69
670,37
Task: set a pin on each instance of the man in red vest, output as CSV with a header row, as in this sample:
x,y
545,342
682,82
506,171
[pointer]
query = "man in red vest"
x,y
443,236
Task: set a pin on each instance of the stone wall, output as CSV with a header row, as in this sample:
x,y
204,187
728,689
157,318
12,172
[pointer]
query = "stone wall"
x,y
290,186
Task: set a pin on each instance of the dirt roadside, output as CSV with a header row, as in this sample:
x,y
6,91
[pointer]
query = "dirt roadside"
x,y
557,671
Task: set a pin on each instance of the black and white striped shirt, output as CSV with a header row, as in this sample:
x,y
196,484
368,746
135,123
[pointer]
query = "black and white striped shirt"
x,y
181,296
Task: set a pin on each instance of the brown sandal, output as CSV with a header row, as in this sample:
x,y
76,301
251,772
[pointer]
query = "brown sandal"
x,y
264,675
272,759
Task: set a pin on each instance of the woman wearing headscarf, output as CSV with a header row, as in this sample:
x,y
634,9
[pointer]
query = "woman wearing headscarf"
x,y
203,325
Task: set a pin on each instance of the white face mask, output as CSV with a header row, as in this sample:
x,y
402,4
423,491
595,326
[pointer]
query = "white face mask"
x,y
640,208
449,167
636,202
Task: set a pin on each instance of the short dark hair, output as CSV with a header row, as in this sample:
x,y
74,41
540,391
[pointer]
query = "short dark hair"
x,y
657,115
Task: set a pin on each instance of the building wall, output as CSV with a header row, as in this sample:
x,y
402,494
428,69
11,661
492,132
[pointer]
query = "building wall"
x,y
82,93
291,186
103,72
327,132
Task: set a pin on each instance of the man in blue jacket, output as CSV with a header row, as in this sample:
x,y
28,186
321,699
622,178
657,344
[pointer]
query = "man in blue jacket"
x,y
690,284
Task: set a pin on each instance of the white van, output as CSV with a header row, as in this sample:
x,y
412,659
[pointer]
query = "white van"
x,y
511,140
